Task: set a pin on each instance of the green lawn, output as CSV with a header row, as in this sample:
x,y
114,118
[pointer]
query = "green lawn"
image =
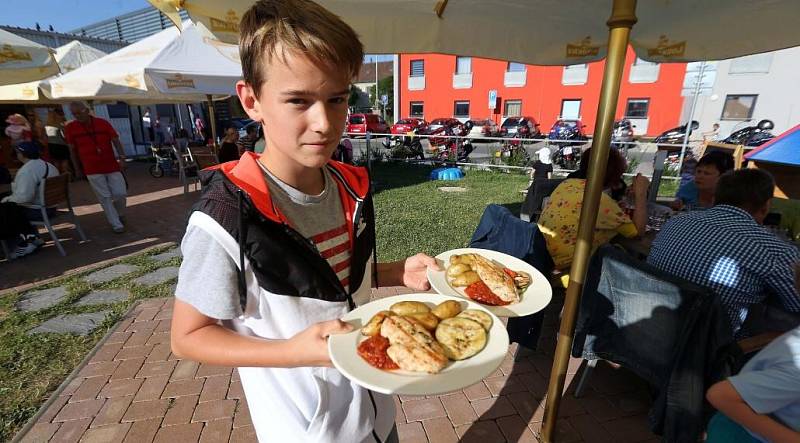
x,y
413,215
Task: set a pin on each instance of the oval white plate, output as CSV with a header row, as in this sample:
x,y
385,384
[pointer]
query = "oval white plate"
x,y
535,298
457,375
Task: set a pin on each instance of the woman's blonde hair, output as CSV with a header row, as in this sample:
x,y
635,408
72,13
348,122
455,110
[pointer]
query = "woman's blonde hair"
x,y
273,28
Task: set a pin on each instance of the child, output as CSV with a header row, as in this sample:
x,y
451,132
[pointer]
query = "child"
x,y
304,228
762,402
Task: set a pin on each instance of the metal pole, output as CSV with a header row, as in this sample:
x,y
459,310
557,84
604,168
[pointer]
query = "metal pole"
x,y
622,19
376,80
691,115
213,119
396,91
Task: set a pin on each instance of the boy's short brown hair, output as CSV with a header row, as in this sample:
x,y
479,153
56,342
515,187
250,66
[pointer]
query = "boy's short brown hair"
x,y
297,26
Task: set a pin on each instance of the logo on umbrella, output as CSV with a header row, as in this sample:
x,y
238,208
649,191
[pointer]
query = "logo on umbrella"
x,y
179,81
582,49
8,54
666,49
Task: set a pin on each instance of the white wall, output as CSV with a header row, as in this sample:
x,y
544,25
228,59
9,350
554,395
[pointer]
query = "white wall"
x,y
778,94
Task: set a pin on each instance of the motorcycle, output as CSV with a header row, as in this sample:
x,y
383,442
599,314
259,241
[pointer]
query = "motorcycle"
x,y
456,148
404,147
752,135
513,152
675,136
622,137
567,157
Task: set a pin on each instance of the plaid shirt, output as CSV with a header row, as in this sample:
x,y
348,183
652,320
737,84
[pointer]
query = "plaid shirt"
x,y
723,248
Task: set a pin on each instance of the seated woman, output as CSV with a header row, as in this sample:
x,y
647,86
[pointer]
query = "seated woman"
x,y
229,150
699,193
554,243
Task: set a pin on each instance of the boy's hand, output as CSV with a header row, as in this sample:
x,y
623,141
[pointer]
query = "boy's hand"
x,y
415,271
311,344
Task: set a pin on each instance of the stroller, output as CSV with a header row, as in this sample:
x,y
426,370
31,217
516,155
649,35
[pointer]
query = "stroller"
x,y
166,162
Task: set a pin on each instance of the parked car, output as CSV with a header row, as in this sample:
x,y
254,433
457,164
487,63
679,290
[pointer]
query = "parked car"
x,y
526,127
440,126
570,130
675,136
483,128
406,125
363,123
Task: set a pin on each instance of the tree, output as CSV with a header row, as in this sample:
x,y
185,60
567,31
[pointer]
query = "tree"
x,y
355,95
385,87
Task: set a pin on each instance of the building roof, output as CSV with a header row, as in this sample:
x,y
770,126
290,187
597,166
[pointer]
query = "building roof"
x,y
367,72
784,149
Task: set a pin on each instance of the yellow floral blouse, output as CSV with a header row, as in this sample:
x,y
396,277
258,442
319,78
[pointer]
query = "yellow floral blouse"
x,y
559,221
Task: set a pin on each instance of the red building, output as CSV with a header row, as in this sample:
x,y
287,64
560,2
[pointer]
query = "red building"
x,y
437,85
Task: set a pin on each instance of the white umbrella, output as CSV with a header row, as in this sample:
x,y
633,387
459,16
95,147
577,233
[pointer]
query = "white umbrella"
x,y
551,32
167,67
22,60
69,57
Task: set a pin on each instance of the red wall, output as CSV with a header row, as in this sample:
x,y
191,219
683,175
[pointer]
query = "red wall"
x,y
542,94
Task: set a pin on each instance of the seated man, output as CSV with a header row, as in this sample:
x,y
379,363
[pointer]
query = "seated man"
x,y
762,402
726,249
699,192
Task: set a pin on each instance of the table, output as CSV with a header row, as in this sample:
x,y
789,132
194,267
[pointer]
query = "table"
x,y
639,247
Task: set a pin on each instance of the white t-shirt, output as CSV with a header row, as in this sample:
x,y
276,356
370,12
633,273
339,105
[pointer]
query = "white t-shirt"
x,y
286,405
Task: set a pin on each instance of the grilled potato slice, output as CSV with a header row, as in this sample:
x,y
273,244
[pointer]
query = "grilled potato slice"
x,y
466,259
465,279
457,269
373,327
427,320
478,316
461,338
409,307
447,309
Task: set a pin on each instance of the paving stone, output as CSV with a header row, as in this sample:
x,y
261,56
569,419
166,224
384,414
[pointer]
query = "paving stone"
x,y
110,273
158,276
40,432
103,297
515,429
440,430
423,409
37,300
411,433
480,432
164,256
105,434
216,431
80,324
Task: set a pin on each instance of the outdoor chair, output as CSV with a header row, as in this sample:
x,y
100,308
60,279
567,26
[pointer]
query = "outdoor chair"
x,y
187,168
54,192
538,193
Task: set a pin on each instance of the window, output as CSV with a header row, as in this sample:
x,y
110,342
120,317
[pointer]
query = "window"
x,y
417,68
512,107
571,109
416,109
117,110
461,109
739,107
515,67
463,65
637,108
640,62
751,64
578,66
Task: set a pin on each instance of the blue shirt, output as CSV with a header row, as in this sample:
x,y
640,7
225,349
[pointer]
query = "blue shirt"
x,y
770,382
724,249
688,194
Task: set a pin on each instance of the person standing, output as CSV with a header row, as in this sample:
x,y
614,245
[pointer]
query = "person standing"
x,y
59,151
94,141
148,125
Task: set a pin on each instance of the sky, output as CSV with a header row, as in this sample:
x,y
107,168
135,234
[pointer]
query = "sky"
x,y
64,15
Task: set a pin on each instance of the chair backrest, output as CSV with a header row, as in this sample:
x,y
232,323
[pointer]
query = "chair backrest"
x,y
199,150
204,161
55,190
537,192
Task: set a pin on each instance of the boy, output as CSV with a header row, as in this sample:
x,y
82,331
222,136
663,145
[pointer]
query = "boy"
x,y
304,229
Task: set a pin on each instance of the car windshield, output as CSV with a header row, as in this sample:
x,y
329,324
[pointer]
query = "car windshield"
x,y
356,120
567,123
405,122
511,122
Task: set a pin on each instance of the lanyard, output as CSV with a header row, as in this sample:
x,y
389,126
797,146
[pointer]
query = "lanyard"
x,y
92,134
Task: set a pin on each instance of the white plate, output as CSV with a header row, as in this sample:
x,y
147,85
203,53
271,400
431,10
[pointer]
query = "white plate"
x,y
457,375
535,298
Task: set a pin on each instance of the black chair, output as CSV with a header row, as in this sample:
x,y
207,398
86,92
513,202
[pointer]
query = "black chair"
x,y
535,199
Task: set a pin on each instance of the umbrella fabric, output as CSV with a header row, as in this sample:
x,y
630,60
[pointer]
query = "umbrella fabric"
x,y
784,149
69,57
22,60
541,32
170,66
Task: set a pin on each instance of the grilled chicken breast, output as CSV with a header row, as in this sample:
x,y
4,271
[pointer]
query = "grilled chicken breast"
x,y
411,346
498,281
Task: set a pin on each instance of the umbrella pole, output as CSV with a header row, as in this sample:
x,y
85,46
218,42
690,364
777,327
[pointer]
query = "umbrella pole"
x,y
622,19
213,122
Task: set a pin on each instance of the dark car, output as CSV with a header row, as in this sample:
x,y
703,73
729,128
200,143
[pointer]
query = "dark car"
x,y
440,126
675,136
483,128
521,127
406,125
363,123
568,130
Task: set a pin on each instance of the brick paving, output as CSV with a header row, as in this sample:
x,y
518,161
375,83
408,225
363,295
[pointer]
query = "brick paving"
x,y
134,389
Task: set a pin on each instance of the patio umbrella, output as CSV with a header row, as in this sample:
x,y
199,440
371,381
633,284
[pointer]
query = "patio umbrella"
x,y
22,60
552,32
69,57
168,67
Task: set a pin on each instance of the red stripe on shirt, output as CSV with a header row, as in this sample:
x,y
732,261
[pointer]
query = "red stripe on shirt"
x,y
319,238
345,281
328,253
341,266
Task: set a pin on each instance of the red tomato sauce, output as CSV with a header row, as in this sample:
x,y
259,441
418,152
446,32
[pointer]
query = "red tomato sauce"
x,y
373,350
481,293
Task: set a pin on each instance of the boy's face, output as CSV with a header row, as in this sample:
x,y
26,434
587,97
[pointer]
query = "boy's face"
x,y
302,106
